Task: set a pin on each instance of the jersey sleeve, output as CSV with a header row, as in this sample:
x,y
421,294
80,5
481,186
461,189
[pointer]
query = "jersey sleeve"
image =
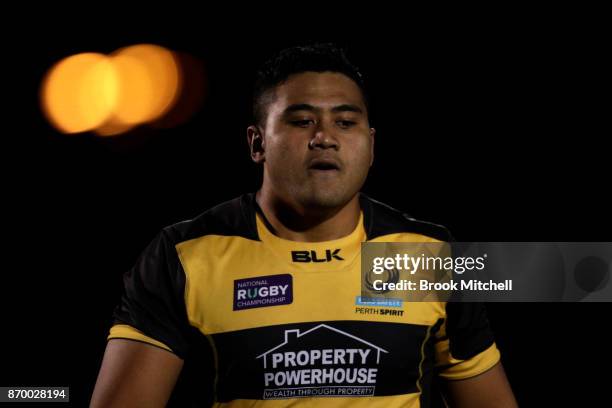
x,y
465,346
152,307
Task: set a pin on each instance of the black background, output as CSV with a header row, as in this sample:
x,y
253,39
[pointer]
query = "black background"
x,y
492,126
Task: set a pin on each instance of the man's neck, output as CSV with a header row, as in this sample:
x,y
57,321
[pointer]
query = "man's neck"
x,y
302,225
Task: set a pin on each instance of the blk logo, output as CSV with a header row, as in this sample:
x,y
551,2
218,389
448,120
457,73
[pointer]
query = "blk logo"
x,y
311,256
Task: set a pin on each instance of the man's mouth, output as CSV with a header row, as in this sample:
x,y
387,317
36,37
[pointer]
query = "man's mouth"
x,y
324,165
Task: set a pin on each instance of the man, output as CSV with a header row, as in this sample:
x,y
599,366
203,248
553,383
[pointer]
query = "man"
x,y
260,291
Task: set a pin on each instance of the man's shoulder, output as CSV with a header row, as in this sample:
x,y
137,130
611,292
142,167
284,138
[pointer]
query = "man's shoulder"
x,y
381,219
233,217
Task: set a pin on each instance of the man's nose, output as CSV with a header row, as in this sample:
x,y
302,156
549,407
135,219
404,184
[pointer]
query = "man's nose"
x,y
323,138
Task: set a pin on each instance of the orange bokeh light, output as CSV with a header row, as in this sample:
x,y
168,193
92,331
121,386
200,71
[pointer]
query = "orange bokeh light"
x,y
79,92
111,94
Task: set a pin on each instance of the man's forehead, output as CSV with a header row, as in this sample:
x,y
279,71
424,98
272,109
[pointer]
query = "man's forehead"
x,y
322,90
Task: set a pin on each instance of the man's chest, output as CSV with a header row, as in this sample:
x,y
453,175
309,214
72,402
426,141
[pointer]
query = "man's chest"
x,y
284,329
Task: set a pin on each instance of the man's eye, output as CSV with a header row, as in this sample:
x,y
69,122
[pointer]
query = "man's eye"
x,y
345,123
302,123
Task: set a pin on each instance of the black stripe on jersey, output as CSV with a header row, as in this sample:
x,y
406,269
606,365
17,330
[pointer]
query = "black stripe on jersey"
x,y
153,296
468,329
381,219
427,368
235,217
263,360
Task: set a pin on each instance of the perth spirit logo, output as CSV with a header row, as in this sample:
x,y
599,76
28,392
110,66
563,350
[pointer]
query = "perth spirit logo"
x,y
321,362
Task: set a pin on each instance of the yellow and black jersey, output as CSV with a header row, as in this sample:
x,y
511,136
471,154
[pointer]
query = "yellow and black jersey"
x,y
264,321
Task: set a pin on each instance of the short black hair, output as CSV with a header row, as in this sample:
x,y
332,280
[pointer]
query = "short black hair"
x,y
320,57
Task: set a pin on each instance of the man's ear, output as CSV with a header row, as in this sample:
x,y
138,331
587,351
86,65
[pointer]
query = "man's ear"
x,y
372,133
256,144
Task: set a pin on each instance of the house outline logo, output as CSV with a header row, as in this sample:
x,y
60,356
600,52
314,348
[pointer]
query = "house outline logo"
x,y
294,334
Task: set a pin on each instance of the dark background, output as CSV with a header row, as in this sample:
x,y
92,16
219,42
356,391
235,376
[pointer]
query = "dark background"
x,y
492,127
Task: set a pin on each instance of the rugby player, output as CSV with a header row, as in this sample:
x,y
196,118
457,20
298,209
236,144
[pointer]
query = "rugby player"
x,y
266,286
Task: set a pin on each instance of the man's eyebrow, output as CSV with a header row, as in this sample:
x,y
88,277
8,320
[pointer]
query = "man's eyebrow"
x,y
299,107
335,109
347,108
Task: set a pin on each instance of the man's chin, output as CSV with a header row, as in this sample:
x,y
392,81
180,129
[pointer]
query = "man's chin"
x,y
326,199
